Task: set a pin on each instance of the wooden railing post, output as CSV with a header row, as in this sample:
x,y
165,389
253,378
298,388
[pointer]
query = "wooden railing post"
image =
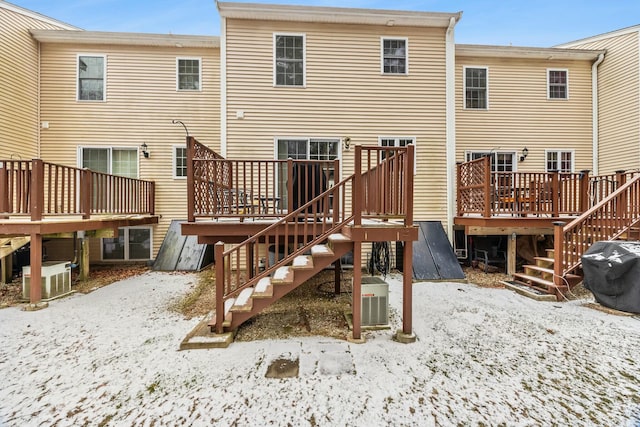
x,y
336,194
191,197
408,170
357,193
459,210
487,187
290,185
4,188
86,193
584,191
37,189
558,252
219,266
152,198
621,208
555,193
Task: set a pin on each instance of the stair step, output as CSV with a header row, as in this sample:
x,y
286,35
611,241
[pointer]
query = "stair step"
x,y
302,262
264,288
339,237
243,302
534,279
283,275
545,260
321,250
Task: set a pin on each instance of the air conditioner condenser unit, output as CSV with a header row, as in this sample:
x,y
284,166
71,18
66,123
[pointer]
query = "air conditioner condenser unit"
x,y
56,280
375,302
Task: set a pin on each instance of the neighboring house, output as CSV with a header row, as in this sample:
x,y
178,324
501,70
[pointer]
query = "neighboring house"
x,y
617,145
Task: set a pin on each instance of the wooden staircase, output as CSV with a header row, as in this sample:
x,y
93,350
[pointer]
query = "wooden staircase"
x,y
8,246
539,278
284,279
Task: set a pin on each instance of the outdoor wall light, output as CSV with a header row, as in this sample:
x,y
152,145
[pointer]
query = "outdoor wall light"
x,y
145,150
525,153
346,142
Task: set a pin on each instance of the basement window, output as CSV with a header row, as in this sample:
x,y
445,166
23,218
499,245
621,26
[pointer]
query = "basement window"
x,y
132,244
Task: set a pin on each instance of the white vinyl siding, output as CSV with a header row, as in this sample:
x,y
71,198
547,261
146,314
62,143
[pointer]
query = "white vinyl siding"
x,y
188,72
92,77
394,55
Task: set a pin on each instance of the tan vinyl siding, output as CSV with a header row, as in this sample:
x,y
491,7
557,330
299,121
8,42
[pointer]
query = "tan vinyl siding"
x,y
141,102
345,95
619,93
19,84
520,115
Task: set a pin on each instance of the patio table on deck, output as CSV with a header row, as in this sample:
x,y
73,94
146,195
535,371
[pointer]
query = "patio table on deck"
x,y
268,203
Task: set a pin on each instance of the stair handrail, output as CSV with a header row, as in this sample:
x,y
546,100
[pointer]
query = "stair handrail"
x,y
224,260
607,220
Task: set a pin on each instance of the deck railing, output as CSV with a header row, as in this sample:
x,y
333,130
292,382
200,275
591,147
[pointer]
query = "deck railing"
x,y
37,189
607,220
549,194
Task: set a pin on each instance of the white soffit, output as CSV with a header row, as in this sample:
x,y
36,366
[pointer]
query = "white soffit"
x,y
549,53
126,39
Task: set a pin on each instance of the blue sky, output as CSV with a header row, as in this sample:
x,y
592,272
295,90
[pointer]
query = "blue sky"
x,y
516,22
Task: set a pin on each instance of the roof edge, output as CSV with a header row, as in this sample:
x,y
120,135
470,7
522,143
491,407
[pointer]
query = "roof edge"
x,y
334,15
549,53
125,39
598,37
35,15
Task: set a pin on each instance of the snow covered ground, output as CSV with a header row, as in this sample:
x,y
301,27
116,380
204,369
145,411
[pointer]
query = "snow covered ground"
x,y
483,356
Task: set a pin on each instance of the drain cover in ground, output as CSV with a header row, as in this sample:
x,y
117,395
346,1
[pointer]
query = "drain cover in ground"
x,y
283,368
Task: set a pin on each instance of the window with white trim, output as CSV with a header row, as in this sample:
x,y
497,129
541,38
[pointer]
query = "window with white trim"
x,y
91,77
179,161
559,160
557,84
501,161
387,141
120,161
395,58
476,88
132,244
289,59
189,71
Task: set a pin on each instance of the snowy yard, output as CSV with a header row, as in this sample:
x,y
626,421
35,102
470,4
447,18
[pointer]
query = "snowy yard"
x,y
483,357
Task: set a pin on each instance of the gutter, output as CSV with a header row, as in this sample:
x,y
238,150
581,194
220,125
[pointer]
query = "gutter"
x,y
595,114
450,90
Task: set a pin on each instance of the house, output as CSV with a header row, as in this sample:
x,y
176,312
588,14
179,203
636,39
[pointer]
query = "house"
x,y
501,141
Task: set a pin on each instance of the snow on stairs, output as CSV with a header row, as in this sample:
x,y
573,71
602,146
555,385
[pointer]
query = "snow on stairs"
x,y
267,290
537,280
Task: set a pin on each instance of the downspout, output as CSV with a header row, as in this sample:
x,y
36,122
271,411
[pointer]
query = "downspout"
x,y
223,87
450,91
595,112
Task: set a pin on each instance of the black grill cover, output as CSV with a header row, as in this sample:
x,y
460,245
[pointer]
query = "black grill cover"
x,y
612,274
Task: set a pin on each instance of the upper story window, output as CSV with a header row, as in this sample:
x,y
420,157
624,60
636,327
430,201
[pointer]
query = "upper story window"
x,y
395,56
289,59
559,160
189,71
500,161
476,88
91,77
558,84
179,161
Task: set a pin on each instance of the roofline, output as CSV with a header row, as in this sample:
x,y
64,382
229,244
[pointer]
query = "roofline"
x,y
35,15
527,52
125,39
607,35
334,15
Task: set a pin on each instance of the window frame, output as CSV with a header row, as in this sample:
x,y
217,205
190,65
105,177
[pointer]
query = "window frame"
x,y
104,76
566,84
464,87
188,58
468,155
109,148
304,60
127,249
406,55
559,152
396,140
174,155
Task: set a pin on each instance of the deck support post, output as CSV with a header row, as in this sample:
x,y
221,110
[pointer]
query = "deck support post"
x,y
84,259
219,266
6,269
35,289
511,254
407,288
357,290
558,254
